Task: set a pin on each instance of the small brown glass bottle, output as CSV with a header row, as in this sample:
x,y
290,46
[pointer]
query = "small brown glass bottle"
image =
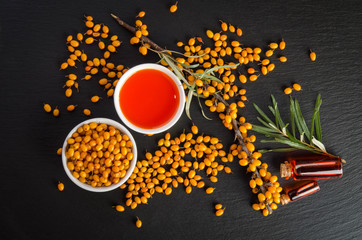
x,y
312,167
298,191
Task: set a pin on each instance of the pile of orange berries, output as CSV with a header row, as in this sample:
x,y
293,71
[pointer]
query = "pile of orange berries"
x,y
141,31
177,162
96,33
98,154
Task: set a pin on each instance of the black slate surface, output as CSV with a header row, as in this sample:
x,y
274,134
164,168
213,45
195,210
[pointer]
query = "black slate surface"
x,y
32,37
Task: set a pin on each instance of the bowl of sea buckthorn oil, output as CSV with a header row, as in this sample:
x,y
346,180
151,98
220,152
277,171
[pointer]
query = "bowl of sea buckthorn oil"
x,y
149,98
99,154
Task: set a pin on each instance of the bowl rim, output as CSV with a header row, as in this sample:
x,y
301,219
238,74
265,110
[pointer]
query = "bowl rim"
x,y
118,126
129,73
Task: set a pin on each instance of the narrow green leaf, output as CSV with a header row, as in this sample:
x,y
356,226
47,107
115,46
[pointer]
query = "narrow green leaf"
x,y
318,128
188,66
301,120
202,110
188,102
292,114
269,141
272,110
317,106
294,144
266,131
175,69
262,114
264,123
278,118
210,70
286,149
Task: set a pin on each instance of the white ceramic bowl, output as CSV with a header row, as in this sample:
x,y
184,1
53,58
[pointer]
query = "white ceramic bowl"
x,y
130,169
180,89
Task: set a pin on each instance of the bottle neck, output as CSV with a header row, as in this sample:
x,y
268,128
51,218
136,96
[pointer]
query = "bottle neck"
x,y
286,170
284,199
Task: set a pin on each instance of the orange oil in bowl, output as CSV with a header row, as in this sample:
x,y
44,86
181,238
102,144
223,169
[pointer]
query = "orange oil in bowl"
x,y
149,99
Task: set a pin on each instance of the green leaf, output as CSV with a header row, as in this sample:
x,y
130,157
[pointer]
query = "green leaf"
x,y
262,114
292,115
188,66
318,128
294,144
286,149
202,110
278,118
317,106
263,130
175,69
272,110
207,76
264,123
188,101
210,70
301,120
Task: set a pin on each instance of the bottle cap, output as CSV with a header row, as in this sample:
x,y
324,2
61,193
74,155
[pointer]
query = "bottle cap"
x,y
285,170
284,199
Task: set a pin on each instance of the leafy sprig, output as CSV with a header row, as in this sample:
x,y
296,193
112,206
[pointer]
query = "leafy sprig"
x,y
295,136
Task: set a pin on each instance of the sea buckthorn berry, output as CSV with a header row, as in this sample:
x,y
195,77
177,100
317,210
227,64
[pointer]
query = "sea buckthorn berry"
x,y
194,129
95,99
297,87
256,207
119,208
288,90
243,162
219,212
68,92
74,43
138,223
269,53
273,206
60,186
273,45
89,40
56,112
218,206
258,181
105,29
242,78
47,107
210,190
141,14
173,8
273,179
271,67
252,183
283,59
142,50
59,151
312,56
87,112
71,108
265,212
282,45
239,32
261,197
264,70
231,28
209,34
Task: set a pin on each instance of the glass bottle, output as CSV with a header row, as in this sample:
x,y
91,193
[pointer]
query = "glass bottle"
x,y
298,191
311,167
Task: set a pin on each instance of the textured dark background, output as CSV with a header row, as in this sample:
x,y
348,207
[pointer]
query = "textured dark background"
x,y
32,46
